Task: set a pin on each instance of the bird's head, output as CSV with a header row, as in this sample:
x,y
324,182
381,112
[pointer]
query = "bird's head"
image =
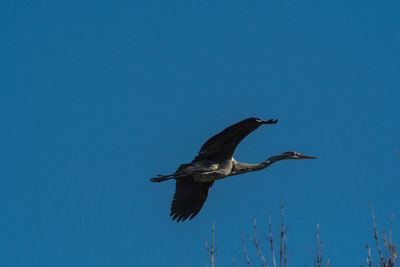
x,y
295,155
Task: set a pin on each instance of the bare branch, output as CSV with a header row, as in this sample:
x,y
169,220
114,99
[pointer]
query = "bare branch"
x,y
246,256
211,250
285,259
318,248
376,233
390,257
282,234
270,239
390,250
257,245
391,227
369,258
328,263
393,248
310,253
319,260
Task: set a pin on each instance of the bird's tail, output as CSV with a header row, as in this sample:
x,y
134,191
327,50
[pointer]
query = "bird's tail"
x,y
162,178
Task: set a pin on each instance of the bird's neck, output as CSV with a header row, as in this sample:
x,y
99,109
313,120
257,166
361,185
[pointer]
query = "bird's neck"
x,y
274,159
239,168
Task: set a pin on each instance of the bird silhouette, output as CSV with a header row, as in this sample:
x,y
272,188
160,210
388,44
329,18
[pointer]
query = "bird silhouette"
x,y
214,162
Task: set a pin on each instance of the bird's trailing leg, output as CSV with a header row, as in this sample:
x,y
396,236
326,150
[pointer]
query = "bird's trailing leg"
x,y
162,178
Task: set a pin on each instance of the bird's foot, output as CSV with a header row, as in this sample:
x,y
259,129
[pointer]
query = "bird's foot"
x,y
161,178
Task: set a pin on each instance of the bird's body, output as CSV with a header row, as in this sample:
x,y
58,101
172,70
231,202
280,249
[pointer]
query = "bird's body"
x,y
214,162
206,170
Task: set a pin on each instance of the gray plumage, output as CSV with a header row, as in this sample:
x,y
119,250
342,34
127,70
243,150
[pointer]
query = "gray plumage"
x,y
214,162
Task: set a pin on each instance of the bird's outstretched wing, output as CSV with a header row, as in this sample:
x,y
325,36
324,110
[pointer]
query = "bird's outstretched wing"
x,y
189,198
222,146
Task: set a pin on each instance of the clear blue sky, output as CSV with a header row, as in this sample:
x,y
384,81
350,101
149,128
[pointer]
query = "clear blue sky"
x,y
97,97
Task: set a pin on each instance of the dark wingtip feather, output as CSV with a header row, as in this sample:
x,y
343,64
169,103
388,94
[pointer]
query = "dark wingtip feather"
x,y
189,198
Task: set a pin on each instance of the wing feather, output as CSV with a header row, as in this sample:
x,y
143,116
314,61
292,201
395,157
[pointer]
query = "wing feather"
x,y
189,198
222,145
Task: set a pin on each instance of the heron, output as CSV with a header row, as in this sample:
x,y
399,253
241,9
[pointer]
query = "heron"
x,y
214,162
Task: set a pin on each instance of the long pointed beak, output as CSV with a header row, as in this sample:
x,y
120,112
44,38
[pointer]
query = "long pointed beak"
x,y
271,121
306,157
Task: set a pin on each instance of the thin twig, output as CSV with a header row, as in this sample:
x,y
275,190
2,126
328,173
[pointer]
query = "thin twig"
x,y
271,239
319,260
246,256
369,258
212,246
318,248
310,253
387,244
328,263
393,251
390,250
211,251
282,233
257,245
376,234
285,259
391,227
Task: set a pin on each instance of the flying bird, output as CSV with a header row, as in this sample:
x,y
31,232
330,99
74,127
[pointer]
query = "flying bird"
x,y
214,162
